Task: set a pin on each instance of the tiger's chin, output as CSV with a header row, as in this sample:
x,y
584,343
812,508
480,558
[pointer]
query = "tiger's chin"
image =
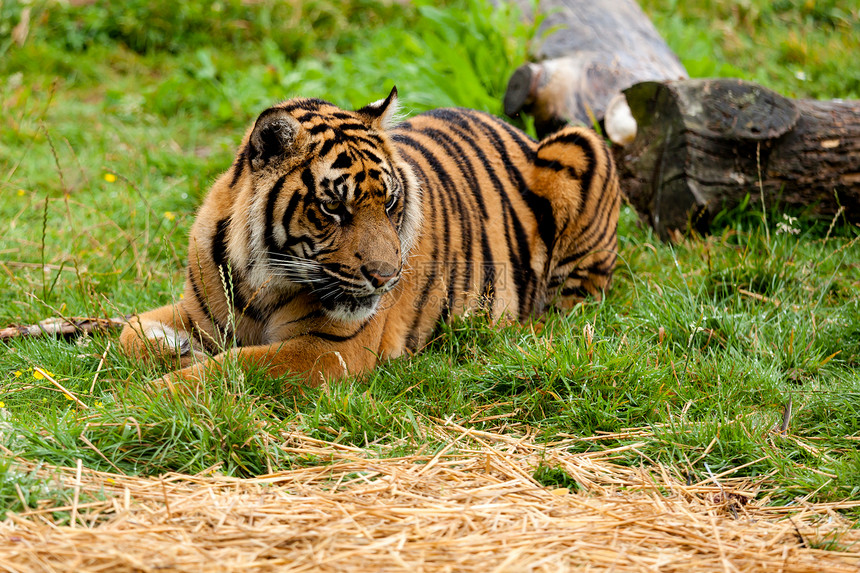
x,y
351,308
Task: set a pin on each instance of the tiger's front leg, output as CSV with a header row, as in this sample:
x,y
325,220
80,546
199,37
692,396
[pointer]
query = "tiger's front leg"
x,y
163,335
316,357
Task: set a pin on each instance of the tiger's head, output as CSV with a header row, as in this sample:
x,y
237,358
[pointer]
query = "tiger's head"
x,y
331,207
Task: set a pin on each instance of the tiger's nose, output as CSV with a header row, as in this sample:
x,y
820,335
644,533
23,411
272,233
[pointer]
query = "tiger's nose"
x,y
379,275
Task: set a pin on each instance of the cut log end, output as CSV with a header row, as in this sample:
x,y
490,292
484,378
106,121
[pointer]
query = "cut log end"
x,y
706,145
740,110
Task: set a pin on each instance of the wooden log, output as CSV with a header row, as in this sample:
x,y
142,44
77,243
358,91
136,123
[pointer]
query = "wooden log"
x,y
704,145
65,328
596,49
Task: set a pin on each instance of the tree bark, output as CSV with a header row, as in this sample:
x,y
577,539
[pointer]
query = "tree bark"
x,y
597,48
704,145
65,328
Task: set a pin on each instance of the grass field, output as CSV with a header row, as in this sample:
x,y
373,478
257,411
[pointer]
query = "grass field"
x,y
115,119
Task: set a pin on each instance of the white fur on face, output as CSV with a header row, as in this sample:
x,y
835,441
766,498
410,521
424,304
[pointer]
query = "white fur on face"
x,y
344,314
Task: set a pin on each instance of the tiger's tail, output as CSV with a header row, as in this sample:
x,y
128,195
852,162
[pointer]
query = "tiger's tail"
x,y
574,170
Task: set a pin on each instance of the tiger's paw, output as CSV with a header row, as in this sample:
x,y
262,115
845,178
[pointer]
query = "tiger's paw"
x,y
149,339
173,344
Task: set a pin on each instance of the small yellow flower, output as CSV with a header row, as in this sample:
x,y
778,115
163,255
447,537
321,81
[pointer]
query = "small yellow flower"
x,y
17,374
2,404
169,215
68,397
38,375
99,404
21,192
110,177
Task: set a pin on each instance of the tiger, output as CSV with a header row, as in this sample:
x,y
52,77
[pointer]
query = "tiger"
x,y
339,239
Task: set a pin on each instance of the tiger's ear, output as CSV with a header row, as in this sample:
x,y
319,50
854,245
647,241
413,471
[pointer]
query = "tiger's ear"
x,y
382,113
273,137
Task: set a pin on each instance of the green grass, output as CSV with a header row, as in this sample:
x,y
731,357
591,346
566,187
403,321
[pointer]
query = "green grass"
x,y
114,122
801,49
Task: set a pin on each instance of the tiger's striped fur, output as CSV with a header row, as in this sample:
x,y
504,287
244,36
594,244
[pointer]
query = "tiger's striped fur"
x,y
336,240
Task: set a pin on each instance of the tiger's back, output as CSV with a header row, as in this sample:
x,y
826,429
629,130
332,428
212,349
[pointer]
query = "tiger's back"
x,y
335,239
510,225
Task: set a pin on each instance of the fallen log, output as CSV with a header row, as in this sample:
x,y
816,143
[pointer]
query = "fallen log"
x,y
596,48
705,145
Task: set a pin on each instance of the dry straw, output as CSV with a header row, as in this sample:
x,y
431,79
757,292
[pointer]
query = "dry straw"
x,y
473,505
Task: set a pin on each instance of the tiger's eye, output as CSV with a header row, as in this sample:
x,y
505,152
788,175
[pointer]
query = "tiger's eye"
x,y
332,207
390,202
